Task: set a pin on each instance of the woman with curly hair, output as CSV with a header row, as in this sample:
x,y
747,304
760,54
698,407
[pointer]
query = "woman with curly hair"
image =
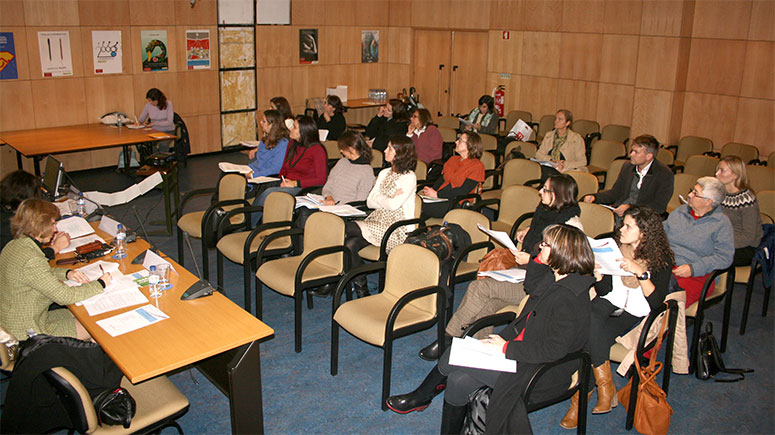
x,y
270,153
623,301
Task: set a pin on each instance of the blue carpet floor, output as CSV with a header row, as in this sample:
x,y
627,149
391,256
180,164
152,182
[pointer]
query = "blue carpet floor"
x,y
300,395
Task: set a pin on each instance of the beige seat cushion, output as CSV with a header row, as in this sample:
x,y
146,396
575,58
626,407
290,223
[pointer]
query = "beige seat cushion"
x,y
191,223
232,246
718,290
366,318
370,253
467,267
280,274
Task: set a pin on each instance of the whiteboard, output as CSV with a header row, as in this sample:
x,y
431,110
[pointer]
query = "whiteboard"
x,y
273,11
235,12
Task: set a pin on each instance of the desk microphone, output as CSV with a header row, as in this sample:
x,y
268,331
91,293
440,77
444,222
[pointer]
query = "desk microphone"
x,y
141,256
200,288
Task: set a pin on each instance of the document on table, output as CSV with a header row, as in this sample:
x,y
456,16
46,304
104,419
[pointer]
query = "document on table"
x,y
109,225
262,179
607,254
80,241
75,226
124,294
132,320
514,275
231,167
94,271
128,194
342,210
499,236
470,352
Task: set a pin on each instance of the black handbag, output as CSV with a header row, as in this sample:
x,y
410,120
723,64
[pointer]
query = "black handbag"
x,y
709,362
441,240
114,407
476,414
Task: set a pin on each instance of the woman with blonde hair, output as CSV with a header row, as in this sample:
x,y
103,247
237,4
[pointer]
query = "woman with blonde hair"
x,y
741,207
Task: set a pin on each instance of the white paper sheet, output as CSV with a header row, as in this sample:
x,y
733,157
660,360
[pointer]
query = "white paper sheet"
x,y
544,163
470,352
128,194
115,300
607,254
94,272
75,226
153,259
310,200
109,225
428,199
132,320
322,135
514,275
250,143
85,240
259,180
342,210
499,236
231,167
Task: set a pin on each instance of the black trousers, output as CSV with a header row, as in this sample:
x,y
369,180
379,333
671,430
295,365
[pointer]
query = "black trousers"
x,y
604,329
354,241
743,256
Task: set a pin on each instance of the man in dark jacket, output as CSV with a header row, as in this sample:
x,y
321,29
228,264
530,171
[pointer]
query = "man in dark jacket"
x,y
644,180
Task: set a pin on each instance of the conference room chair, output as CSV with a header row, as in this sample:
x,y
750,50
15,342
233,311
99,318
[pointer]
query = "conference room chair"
x,y
515,172
614,132
512,117
490,173
323,261
377,160
332,152
408,303
747,153
587,183
722,292
613,172
421,171
448,122
587,129
515,202
603,153
545,125
242,247
228,194
761,177
747,274
490,145
682,183
579,380
158,402
701,166
181,144
690,146
667,157
529,149
598,221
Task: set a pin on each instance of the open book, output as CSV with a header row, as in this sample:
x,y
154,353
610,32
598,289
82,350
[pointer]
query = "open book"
x,y
232,167
470,352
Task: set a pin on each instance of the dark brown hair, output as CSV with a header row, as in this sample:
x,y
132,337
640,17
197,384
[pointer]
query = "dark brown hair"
x,y
570,250
154,94
336,103
568,115
308,136
33,218
16,187
282,106
399,110
424,115
649,142
406,156
489,101
355,140
474,143
565,190
653,246
277,131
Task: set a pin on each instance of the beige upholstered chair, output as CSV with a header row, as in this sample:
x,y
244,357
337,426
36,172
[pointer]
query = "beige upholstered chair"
x,y
666,156
448,134
586,128
744,151
516,172
681,185
159,404
588,183
448,122
408,303
529,149
691,146
228,194
489,142
277,216
466,262
512,118
332,149
613,172
545,125
700,166
596,219
490,174
322,262
377,159
615,132
761,177
722,291
421,171
603,153
516,202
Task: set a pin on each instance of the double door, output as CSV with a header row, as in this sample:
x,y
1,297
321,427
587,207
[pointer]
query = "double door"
x,y
450,70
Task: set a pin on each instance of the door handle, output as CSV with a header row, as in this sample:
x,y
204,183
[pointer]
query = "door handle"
x,y
441,66
454,68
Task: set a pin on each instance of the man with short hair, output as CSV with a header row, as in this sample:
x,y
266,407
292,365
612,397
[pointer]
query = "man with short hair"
x,y
643,180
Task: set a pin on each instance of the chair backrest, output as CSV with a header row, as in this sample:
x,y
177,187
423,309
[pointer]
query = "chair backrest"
x,y
279,207
596,219
75,399
321,231
488,160
588,183
232,186
771,160
468,220
744,151
585,127
701,166
518,171
377,159
666,156
766,199
613,172
545,125
761,177
448,134
489,142
604,152
421,170
332,149
515,201
424,267
618,133
527,148
417,206
692,145
448,122
515,115
681,185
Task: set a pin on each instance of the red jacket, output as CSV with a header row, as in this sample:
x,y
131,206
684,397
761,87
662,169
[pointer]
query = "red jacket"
x,y
308,166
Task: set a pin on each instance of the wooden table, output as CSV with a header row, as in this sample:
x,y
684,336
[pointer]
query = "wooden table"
x,y
213,332
39,142
360,114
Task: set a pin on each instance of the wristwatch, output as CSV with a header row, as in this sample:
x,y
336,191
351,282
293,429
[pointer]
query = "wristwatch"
x,y
646,275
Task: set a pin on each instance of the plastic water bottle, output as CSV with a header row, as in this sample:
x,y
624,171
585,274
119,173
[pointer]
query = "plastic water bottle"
x,y
81,210
154,289
120,242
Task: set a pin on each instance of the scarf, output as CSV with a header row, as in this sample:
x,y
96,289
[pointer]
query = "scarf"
x,y
457,170
559,141
631,281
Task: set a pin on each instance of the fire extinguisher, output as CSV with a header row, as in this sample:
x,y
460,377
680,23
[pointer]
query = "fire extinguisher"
x,y
499,94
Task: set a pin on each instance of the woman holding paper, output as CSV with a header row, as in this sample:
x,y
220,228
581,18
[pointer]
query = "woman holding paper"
x,y
553,323
623,301
28,285
270,153
483,119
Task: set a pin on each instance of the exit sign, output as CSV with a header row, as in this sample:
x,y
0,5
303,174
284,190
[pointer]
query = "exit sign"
x,y
506,34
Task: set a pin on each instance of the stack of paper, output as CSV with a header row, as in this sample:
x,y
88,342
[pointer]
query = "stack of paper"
x,y
514,275
310,201
75,226
343,210
231,167
470,352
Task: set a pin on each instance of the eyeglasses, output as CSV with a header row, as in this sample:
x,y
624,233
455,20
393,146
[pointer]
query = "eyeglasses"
x,y
544,189
543,245
694,192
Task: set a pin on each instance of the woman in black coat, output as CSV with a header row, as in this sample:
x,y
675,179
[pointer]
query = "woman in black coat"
x,y
391,120
554,322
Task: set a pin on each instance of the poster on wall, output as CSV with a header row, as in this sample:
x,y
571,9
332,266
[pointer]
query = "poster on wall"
x,y
154,46
198,49
55,56
369,46
308,45
8,69
106,46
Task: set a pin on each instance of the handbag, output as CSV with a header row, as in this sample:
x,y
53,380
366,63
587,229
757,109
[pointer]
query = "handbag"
x,y
114,407
476,413
709,362
441,240
652,412
497,259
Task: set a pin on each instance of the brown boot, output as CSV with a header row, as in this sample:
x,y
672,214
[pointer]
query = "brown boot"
x,y
571,419
606,390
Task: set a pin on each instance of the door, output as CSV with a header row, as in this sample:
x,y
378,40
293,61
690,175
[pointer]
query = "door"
x,y
468,72
431,69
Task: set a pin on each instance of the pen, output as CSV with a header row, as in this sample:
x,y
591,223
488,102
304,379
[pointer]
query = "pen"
x,y
102,270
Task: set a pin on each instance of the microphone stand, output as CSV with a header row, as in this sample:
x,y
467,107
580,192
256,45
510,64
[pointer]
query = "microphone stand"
x,y
141,257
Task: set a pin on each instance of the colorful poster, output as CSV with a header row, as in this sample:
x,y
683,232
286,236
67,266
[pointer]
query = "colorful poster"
x,y
154,46
8,69
106,46
369,46
308,45
198,49
55,56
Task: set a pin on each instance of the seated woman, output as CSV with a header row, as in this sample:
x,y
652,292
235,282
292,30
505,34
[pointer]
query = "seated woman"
x,y
483,119
270,153
392,199
426,137
486,296
741,207
623,301
281,105
28,285
332,118
563,146
158,114
15,188
352,178
462,174
391,120
553,323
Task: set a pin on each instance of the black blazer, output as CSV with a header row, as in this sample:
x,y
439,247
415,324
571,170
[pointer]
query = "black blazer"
x,y
655,192
381,129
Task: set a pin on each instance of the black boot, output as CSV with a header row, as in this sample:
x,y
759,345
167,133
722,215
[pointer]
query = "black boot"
x,y
361,287
452,418
420,398
432,352
324,290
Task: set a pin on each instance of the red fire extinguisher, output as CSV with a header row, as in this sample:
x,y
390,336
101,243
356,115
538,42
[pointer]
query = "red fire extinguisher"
x,y
499,94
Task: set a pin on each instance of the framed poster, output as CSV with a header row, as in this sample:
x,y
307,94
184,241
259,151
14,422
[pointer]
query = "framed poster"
x,y
370,46
8,70
55,56
154,46
198,49
106,49
308,45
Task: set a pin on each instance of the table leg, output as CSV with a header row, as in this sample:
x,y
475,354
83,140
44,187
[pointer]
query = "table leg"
x,y
19,160
35,164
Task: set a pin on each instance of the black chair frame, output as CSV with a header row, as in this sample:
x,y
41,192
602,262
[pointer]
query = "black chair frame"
x,y
756,267
455,279
702,305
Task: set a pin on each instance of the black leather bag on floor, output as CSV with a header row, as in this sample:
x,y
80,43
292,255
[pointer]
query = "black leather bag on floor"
x,y
709,362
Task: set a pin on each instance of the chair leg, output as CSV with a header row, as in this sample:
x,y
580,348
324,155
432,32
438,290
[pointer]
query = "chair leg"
x,y
219,268
727,309
633,399
310,305
259,290
766,300
246,282
334,347
748,293
387,363
180,247
297,321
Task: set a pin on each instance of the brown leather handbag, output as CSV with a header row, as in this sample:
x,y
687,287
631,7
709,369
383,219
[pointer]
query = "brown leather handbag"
x,y
652,412
497,259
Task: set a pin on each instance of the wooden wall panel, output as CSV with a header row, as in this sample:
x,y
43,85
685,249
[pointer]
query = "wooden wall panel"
x,y
371,13
540,15
203,13
8,161
580,97
721,19
22,47
399,45
205,133
541,54
237,47
76,50
711,116
580,57
762,17
614,104
399,77
103,12
164,81
12,13
619,59
152,13
277,46
657,62
512,84
649,114
400,13
582,15
65,102
307,12
662,17
469,14
504,14
126,49
759,70
110,93
431,13
197,92
723,58
538,95
340,13
468,82
504,55
754,124
18,115
622,16
51,13
173,48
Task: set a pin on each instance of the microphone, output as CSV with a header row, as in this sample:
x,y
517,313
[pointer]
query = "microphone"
x,y
200,288
141,256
